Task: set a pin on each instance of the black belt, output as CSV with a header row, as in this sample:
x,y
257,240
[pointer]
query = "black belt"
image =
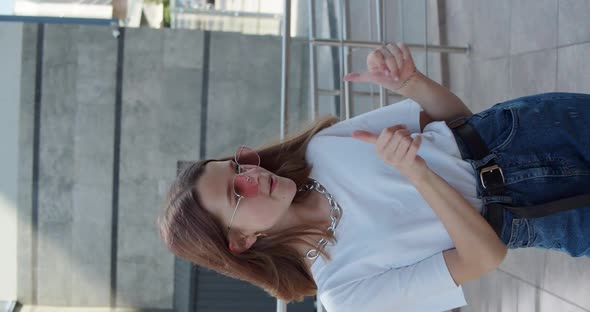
x,y
492,181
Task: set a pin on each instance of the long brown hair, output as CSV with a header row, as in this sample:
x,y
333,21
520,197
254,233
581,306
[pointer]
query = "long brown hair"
x,y
271,263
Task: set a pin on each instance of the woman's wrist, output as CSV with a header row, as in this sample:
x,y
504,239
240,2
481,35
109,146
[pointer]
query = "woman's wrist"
x,y
419,177
408,86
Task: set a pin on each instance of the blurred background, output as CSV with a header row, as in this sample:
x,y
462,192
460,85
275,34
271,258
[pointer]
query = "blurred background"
x,y
101,101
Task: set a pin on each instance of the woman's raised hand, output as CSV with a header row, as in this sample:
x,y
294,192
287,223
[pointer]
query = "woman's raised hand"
x,y
390,66
397,148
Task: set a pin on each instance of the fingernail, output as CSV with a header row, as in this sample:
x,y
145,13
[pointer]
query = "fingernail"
x,y
386,72
395,78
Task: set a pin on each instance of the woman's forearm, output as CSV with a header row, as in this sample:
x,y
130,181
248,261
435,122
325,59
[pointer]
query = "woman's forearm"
x,y
474,238
437,101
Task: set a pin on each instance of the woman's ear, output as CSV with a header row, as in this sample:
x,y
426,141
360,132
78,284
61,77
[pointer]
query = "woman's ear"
x,y
239,244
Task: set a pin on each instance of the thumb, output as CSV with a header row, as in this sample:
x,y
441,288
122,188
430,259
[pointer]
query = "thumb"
x,y
374,77
365,136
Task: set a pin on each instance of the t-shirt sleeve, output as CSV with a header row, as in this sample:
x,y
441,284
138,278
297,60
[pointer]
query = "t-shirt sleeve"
x,y
403,112
424,286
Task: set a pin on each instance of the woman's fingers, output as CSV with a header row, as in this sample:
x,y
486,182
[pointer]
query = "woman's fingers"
x,y
385,137
405,51
394,145
400,150
397,53
391,63
374,77
370,137
413,149
376,61
387,66
365,136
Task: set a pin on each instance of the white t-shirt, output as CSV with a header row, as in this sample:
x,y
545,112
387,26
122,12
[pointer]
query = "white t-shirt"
x,y
390,242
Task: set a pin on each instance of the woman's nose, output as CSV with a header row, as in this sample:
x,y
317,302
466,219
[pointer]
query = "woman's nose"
x,y
246,185
248,168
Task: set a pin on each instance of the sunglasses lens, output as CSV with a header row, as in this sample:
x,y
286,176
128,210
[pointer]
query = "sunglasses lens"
x,y
247,156
245,186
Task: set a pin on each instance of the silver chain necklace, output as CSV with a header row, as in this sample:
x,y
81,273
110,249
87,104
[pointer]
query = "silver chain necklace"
x,y
335,213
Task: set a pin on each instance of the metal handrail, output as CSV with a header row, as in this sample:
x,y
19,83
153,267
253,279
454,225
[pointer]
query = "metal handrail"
x,y
345,60
376,44
286,43
227,13
336,92
379,6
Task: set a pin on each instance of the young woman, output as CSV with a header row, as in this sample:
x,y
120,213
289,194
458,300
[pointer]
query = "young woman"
x,y
386,210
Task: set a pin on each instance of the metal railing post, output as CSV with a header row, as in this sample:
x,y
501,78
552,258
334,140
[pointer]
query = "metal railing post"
x,y
285,65
345,60
426,37
380,39
313,101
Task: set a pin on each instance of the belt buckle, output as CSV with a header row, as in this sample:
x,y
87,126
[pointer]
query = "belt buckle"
x,y
490,169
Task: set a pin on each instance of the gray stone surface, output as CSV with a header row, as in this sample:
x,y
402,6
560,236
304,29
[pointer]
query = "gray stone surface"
x,y
574,21
460,66
491,32
533,25
533,72
529,279
498,285
59,45
25,169
490,81
573,70
11,35
532,273
56,170
144,270
245,106
458,14
183,48
501,291
160,125
93,154
567,278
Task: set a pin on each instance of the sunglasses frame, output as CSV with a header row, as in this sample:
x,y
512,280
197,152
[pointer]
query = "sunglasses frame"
x,y
234,181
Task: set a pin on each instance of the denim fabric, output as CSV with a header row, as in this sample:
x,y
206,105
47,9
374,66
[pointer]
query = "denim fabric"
x,y
542,144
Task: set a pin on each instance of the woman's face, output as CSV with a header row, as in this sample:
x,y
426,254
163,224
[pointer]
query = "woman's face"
x,y
253,214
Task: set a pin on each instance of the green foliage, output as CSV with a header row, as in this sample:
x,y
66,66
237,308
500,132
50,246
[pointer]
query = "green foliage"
x,y
166,22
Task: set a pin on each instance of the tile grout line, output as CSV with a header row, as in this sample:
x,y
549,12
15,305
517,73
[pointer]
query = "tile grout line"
x,y
557,46
509,89
543,289
533,51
